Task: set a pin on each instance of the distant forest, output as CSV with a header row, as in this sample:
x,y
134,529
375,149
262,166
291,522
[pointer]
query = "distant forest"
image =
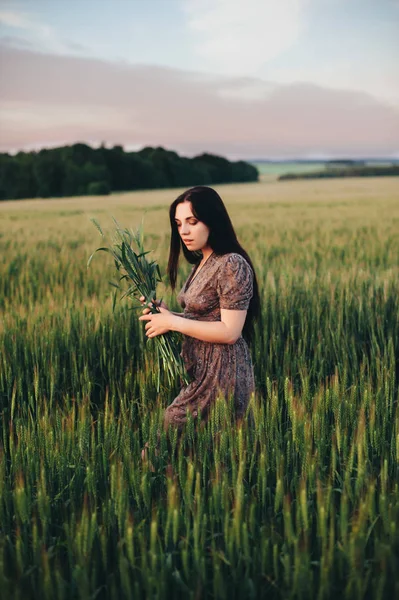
x,y
80,170
345,171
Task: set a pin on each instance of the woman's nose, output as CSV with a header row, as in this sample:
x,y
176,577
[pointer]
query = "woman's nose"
x,y
184,229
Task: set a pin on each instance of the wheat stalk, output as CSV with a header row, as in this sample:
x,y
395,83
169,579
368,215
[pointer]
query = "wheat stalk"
x,y
142,276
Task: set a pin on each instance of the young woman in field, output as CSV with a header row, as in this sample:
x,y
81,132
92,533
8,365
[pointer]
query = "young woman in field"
x,y
220,301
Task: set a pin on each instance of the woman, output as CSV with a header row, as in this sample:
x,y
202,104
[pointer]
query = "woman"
x,y
220,300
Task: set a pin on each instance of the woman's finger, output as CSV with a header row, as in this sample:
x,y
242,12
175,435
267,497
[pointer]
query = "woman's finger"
x,y
146,311
142,300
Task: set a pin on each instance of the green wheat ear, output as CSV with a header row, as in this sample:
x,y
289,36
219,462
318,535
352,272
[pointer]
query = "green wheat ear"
x,y
97,225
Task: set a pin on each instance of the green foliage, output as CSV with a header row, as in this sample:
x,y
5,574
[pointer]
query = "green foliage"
x,y
98,188
223,171
79,170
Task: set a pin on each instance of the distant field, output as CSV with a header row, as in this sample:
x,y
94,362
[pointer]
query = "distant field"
x,y
287,167
304,505
269,171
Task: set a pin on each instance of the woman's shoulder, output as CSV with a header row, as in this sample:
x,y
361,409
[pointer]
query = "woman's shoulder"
x,y
234,266
233,259
234,282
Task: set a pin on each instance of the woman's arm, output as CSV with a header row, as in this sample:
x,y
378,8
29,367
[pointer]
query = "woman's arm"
x,y
225,331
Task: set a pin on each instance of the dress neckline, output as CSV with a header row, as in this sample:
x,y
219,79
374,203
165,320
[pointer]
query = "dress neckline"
x,y
196,273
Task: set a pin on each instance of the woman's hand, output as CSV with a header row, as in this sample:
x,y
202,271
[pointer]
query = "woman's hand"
x,y
158,323
146,311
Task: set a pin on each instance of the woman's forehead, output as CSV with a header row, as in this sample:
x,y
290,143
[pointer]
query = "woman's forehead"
x,y
184,210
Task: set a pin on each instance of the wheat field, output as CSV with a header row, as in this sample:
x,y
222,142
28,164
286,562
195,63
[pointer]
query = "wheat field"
x,y
304,504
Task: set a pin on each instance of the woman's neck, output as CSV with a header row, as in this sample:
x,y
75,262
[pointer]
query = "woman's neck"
x,y
206,252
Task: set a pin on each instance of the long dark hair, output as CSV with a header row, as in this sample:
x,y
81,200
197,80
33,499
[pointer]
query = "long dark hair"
x,y
208,207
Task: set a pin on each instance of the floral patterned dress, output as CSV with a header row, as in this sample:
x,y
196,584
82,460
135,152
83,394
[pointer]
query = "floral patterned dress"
x,y
224,281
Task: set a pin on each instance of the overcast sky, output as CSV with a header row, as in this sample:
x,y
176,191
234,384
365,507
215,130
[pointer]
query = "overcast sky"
x,y
242,78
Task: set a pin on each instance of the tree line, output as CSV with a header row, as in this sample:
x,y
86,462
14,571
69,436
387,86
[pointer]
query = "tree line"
x,y
80,170
331,173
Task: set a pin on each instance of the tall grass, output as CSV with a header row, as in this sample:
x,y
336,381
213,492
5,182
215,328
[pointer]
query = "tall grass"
x,y
302,504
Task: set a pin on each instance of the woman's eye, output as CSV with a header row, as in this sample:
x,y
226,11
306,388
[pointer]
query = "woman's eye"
x,y
178,225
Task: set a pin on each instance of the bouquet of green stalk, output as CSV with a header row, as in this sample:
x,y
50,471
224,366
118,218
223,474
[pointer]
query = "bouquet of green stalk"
x,y
142,277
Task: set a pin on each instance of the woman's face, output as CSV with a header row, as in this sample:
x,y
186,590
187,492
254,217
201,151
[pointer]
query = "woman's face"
x,y
193,232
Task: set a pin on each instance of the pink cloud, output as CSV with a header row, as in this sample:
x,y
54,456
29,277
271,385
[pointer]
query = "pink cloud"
x,y
51,100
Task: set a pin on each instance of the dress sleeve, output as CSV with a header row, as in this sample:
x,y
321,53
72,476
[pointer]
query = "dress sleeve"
x,y
235,283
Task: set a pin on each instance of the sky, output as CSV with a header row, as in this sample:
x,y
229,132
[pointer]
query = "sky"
x,y
251,79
